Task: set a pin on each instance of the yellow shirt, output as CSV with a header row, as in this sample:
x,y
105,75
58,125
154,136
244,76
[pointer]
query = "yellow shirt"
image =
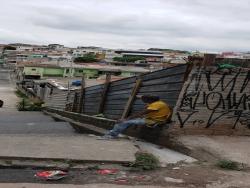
x,y
162,112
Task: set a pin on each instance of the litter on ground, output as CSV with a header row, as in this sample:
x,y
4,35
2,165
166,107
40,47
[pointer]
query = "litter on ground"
x,y
51,175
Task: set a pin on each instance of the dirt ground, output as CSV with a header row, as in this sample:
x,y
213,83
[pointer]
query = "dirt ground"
x,y
197,175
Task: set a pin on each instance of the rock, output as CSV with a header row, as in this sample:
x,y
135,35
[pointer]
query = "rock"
x,y
176,168
172,180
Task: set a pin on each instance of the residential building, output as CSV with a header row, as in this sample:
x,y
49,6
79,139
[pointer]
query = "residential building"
x,y
150,56
65,69
56,46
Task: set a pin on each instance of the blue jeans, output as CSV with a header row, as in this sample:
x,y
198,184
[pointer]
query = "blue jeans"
x,y
120,127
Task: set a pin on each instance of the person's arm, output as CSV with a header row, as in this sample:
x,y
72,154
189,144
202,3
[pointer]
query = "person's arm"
x,y
138,115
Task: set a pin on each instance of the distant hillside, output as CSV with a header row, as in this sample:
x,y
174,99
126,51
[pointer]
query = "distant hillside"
x,y
168,50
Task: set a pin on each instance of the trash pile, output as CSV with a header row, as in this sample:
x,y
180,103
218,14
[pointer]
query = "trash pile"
x,y
121,177
51,175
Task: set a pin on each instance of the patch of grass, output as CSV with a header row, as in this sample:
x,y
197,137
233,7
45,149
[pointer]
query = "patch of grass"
x,y
145,161
28,105
228,164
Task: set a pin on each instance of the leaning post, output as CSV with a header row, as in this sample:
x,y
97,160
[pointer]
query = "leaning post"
x,y
82,96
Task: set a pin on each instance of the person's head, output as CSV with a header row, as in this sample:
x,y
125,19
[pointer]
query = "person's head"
x,y
149,99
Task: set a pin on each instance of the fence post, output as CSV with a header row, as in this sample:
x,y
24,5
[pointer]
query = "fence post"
x,y
131,98
74,106
104,93
82,96
208,60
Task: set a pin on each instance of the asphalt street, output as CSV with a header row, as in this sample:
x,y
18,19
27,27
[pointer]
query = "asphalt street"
x,y
35,136
14,122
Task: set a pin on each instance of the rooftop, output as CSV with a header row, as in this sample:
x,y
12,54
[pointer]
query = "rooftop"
x,y
55,64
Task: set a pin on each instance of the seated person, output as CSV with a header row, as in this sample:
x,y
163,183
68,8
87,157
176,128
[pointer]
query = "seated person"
x,y
156,112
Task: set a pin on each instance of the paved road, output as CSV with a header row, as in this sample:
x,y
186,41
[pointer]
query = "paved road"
x,y
14,122
78,186
35,135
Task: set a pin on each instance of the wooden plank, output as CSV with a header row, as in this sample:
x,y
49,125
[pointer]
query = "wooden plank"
x,y
75,102
80,109
132,98
104,93
209,59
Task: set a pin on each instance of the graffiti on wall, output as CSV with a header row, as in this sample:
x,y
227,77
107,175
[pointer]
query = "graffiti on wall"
x,y
211,97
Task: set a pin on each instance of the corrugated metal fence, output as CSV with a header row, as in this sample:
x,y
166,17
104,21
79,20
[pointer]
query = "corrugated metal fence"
x,y
166,84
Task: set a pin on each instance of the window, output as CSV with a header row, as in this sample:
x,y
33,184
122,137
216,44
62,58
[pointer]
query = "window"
x,y
33,69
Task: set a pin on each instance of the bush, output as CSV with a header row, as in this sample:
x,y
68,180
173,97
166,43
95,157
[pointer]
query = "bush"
x,y
145,161
128,58
27,105
20,94
87,58
228,164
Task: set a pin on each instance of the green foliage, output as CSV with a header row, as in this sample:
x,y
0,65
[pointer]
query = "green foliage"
x,y
145,161
87,58
228,164
9,48
169,50
20,94
26,104
128,58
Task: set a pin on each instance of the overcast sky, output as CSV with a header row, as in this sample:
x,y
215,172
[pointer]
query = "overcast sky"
x,y
212,25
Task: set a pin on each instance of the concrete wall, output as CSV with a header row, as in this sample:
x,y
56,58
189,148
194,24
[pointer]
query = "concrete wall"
x,y
88,72
53,72
215,102
33,71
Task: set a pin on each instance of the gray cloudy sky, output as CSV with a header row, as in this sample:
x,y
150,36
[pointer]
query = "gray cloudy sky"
x,y
213,25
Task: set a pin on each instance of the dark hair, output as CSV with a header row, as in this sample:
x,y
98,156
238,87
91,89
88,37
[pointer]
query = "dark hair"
x,y
1,103
149,98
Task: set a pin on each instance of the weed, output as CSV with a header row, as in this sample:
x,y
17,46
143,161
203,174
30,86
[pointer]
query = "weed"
x,y
145,161
27,105
20,94
228,164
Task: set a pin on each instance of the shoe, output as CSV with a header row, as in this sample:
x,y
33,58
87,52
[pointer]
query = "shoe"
x,y
107,137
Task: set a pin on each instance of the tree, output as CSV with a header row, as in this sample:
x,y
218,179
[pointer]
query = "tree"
x,y
87,58
128,58
9,48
